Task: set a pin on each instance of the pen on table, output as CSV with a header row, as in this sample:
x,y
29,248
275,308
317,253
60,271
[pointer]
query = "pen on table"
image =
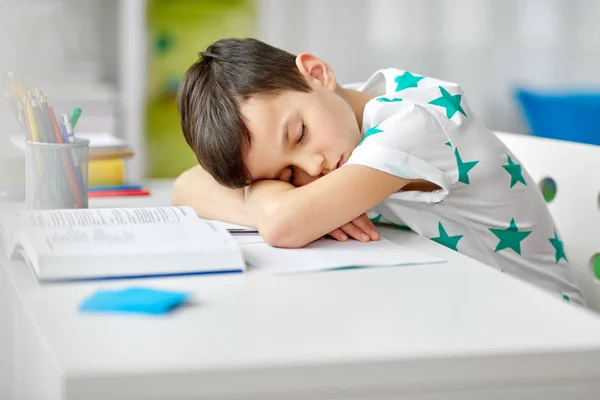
x,y
241,232
69,128
74,117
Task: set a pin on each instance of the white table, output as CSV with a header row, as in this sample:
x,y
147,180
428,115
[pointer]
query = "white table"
x,y
457,330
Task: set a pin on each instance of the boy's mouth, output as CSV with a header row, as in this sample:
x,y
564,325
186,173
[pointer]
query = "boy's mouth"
x,y
341,162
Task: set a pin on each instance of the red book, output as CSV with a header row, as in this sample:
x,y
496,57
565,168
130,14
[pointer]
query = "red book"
x,y
118,193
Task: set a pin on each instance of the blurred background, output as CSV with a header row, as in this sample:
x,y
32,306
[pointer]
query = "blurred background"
x,y
121,61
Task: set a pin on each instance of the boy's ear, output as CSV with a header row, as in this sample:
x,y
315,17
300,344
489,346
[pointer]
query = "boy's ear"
x,y
315,69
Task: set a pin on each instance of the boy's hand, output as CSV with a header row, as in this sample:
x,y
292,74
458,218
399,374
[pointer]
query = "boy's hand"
x,y
361,229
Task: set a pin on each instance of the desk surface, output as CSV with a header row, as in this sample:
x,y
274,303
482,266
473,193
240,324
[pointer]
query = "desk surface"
x,y
456,324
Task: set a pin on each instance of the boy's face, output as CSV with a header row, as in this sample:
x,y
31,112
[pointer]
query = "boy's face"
x,y
298,137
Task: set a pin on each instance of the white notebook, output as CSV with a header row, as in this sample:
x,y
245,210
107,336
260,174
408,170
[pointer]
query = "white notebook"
x,y
326,254
118,242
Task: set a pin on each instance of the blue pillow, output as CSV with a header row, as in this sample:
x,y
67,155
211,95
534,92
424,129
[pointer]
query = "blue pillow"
x,y
572,116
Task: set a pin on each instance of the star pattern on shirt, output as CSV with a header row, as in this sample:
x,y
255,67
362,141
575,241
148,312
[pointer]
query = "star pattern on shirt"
x,y
371,131
444,239
502,240
376,219
463,167
515,171
510,238
388,100
450,102
558,246
407,80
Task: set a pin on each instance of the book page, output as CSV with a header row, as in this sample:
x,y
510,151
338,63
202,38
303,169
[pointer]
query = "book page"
x,y
129,239
98,217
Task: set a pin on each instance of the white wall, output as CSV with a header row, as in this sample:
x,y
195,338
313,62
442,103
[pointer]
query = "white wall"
x,y
487,46
81,53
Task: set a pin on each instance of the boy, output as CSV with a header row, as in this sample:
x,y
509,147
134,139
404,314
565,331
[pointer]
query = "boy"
x,y
313,157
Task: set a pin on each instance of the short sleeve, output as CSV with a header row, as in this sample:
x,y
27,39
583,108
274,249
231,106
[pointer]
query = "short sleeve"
x,y
407,140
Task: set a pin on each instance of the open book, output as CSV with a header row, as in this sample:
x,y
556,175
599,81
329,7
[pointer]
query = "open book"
x,y
118,242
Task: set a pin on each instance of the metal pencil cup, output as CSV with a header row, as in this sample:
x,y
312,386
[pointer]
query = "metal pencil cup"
x,y
56,174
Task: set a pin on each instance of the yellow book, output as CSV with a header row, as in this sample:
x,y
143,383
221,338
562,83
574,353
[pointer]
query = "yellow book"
x,y
106,172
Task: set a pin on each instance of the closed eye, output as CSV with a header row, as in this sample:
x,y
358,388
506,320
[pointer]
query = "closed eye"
x,y
302,136
301,139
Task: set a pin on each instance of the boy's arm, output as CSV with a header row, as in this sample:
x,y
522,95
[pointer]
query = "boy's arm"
x,y
287,216
197,189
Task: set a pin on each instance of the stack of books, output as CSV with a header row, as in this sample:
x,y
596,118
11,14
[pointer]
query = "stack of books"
x,y
107,159
107,167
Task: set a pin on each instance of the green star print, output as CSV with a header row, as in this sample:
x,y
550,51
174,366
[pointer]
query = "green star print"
x,y
407,80
371,131
376,219
450,102
463,167
558,246
388,100
515,171
510,238
444,239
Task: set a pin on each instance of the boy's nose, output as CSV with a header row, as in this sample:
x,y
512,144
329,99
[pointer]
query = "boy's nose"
x,y
316,166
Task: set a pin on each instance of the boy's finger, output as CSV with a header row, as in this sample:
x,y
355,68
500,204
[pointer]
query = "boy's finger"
x,y
365,224
339,235
355,232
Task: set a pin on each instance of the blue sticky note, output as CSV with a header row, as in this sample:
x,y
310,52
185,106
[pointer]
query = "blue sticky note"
x,y
134,300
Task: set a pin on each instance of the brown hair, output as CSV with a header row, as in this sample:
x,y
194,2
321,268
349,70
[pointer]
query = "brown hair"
x,y
227,73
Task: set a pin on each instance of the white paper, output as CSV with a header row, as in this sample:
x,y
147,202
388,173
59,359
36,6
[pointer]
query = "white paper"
x,y
248,238
327,254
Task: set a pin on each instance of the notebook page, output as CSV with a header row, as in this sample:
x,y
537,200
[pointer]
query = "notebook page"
x,y
327,254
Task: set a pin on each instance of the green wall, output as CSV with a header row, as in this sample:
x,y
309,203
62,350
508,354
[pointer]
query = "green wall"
x,y
178,30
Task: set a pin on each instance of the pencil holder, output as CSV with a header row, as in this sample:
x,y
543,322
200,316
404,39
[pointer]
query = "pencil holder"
x,y
56,174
